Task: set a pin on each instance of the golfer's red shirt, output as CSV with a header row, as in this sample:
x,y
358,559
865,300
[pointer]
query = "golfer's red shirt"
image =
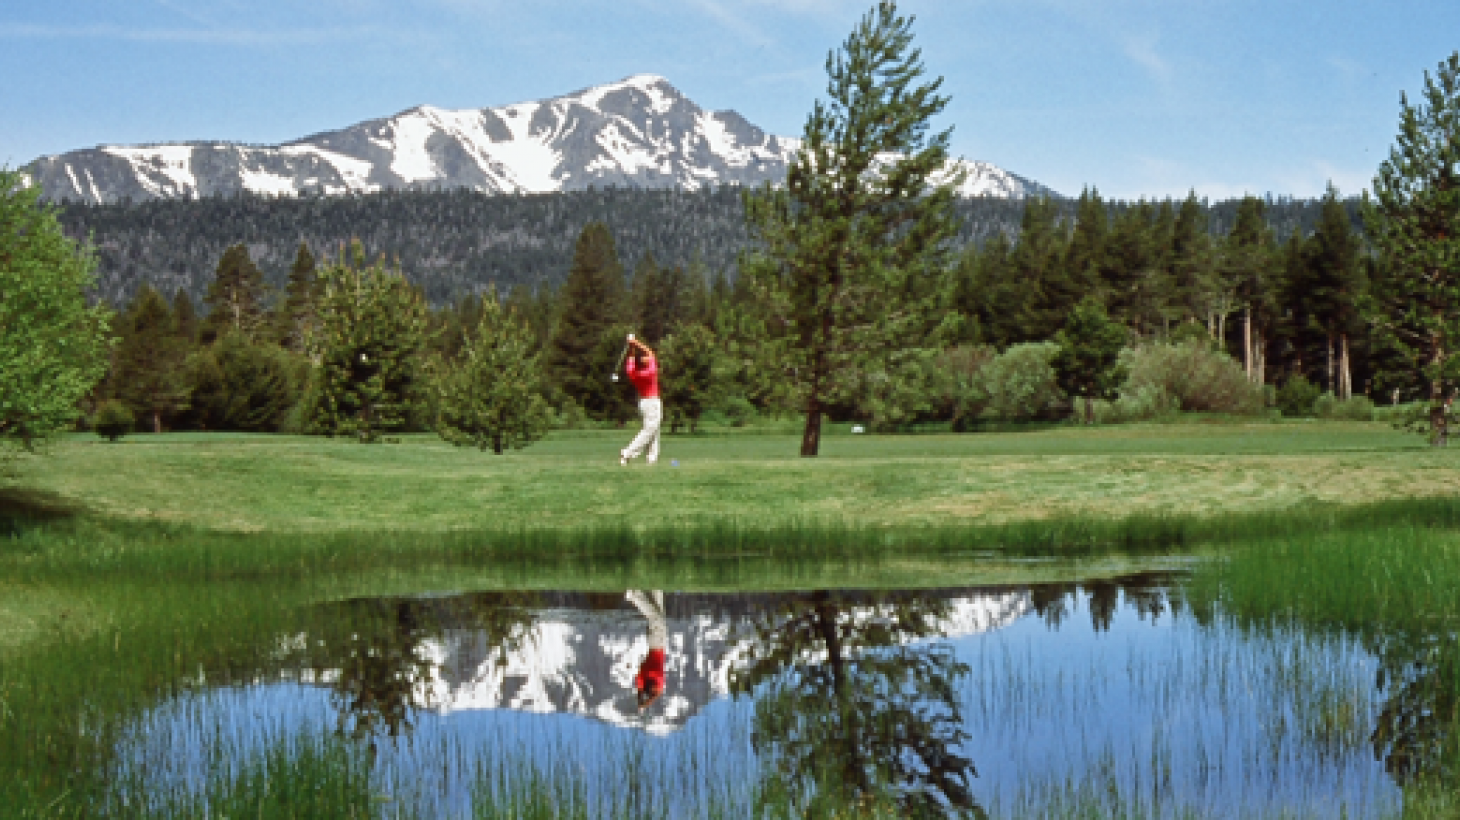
x,y
651,671
645,377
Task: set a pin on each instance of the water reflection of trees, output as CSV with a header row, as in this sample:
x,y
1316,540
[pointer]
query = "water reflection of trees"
x,y
376,648
1148,593
849,709
1419,681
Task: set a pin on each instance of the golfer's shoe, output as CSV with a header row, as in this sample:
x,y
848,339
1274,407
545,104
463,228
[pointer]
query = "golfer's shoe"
x,y
623,460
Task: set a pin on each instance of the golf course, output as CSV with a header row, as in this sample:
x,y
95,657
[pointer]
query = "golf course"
x,y
161,570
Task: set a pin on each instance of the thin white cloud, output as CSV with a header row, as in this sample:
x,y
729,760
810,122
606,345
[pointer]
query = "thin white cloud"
x,y
243,37
734,21
1142,51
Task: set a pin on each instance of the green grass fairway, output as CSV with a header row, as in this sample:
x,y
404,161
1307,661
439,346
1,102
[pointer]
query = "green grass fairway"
x,y
285,484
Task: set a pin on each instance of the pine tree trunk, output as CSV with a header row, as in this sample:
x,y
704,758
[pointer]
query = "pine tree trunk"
x,y
811,437
156,421
1332,389
1222,330
1345,373
1261,356
1438,434
1089,410
1247,341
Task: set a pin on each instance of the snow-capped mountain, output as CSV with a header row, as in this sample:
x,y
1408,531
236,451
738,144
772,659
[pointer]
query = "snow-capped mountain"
x,y
638,132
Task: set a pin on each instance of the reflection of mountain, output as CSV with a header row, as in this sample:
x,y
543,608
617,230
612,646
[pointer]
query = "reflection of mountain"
x,y
579,660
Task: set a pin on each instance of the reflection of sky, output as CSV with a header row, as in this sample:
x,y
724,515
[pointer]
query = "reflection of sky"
x,y
1194,715
1179,715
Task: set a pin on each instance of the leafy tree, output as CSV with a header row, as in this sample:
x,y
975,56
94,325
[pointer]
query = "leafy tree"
x,y
1413,220
53,348
241,384
688,358
489,396
1020,385
592,305
1088,362
371,336
236,296
858,223
148,364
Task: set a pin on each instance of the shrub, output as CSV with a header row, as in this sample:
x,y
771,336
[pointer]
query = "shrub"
x,y
113,420
1297,396
569,414
1192,376
733,409
960,397
1019,384
1141,404
238,384
1357,408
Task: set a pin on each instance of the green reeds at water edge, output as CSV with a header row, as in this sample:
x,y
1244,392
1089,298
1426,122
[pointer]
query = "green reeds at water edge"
x,y
84,546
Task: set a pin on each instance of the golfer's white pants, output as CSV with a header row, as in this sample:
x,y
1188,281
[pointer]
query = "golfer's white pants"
x,y
651,605
653,412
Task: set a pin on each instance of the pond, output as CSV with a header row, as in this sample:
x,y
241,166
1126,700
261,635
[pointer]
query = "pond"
x,y
1107,696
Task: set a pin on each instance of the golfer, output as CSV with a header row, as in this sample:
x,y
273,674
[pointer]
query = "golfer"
x,y
643,371
649,683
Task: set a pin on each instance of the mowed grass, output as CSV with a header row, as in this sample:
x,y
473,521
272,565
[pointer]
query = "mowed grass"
x,y
285,484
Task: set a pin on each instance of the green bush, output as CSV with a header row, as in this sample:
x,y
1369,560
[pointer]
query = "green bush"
x,y
958,396
1020,384
1192,376
1297,396
734,410
1146,403
238,384
113,420
1357,408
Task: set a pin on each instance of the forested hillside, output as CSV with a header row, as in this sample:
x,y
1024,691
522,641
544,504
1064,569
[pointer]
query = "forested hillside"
x,y
453,243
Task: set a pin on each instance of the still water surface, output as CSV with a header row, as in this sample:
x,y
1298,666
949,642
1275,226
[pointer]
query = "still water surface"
x,y
1009,701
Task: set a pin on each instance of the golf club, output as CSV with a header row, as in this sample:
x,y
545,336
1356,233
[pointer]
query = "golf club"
x,y
621,357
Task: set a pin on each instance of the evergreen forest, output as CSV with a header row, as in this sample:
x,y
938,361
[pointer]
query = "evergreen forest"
x,y
1249,306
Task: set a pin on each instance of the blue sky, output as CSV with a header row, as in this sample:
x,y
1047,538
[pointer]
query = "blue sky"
x,y
1146,98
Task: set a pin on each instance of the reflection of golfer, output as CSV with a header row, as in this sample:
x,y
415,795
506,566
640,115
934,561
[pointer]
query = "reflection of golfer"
x,y
643,371
649,683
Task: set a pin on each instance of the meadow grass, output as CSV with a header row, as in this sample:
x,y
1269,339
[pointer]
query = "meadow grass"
x,y
307,484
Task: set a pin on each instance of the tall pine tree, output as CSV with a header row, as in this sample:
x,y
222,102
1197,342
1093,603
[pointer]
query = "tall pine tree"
x,y
1413,220
369,345
148,365
298,315
236,297
1335,284
592,302
858,218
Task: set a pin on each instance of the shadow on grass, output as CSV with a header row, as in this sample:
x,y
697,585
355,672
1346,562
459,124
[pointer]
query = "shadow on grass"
x,y
22,508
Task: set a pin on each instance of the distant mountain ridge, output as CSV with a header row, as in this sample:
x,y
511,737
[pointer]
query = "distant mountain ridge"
x,y
638,132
